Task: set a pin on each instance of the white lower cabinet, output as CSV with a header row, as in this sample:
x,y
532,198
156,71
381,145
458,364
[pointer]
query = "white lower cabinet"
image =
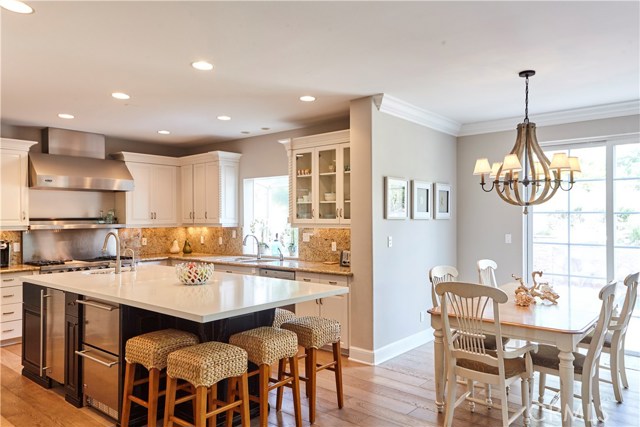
x,y
335,307
224,268
11,307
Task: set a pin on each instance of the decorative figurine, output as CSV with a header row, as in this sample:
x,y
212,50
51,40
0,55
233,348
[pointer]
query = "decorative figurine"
x,y
525,296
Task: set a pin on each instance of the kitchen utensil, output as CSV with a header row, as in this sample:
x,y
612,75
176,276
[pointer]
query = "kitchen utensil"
x,y
194,273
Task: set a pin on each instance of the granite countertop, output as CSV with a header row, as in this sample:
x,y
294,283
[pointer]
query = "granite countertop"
x,y
156,288
18,268
265,262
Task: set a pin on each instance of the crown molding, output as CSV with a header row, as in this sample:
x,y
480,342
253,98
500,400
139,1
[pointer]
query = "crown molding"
x,y
606,111
398,108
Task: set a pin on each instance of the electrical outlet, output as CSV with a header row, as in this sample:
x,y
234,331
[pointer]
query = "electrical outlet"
x,y
306,237
219,240
16,247
507,238
201,239
389,241
334,247
143,241
233,234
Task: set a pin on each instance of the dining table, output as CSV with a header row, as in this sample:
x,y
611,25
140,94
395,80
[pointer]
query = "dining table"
x,y
562,325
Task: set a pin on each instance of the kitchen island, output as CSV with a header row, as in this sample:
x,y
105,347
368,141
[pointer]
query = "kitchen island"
x,y
100,310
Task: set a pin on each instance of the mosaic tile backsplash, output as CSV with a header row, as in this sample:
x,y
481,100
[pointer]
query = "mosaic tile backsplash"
x,y
13,236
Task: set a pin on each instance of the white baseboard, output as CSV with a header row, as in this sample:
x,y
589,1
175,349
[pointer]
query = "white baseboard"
x,y
392,350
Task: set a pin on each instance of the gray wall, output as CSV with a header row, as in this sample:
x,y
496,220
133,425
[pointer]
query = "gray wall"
x,y
483,219
399,285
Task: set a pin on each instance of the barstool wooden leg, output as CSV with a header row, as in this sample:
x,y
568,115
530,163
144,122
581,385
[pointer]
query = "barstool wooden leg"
x,y
154,389
295,387
170,401
311,382
307,371
282,365
129,374
263,380
232,384
212,405
244,395
201,406
338,372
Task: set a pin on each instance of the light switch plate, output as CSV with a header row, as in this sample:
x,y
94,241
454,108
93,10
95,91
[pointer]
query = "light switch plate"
x,y
143,241
219,240
16,247
233,234
507,238
306,237
334,247
389,241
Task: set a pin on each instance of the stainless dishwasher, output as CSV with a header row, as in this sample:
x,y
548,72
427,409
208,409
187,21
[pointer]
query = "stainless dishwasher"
x,y
100,353
280,274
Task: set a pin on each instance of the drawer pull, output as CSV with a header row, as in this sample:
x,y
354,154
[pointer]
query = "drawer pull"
x,y
332,282
8,280
83,353
97,305
8,313
228,271
8,330
306,280
8,296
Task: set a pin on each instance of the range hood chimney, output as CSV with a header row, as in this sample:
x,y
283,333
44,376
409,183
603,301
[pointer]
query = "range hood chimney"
x,y
73,160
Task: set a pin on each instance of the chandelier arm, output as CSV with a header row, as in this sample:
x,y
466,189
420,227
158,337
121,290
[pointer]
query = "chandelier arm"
x,y
544,163
493,184
505,195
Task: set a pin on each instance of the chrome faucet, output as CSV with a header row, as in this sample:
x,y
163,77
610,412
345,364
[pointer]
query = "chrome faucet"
x,y
133,258
104,248
244,243
281,255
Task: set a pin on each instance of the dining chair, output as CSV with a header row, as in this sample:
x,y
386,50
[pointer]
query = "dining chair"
x,y
615,338
486,272
476,310
585,367
439,274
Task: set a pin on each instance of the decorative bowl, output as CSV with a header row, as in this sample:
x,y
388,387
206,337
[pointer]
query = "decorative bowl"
x,y
330,197
194,273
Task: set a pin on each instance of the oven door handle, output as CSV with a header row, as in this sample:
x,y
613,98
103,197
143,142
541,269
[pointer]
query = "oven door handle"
x,y
83,353
97,305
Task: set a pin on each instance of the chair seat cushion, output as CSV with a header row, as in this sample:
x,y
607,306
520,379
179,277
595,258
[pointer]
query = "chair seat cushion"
x,y
207,363
313,331
490,342
266,345
151,350
282,316
547,357
512,367
607,339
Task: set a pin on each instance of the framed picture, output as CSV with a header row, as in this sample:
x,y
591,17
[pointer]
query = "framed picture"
x,y
396,198
421,199
443,201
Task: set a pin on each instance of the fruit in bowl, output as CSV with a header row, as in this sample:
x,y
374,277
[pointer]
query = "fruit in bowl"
x,y
194,273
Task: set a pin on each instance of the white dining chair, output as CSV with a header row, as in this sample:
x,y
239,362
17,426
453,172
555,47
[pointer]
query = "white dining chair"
x,y
615,338
585,367
438,274
467,354
486,272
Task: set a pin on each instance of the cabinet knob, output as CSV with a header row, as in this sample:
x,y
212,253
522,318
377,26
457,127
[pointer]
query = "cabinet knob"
x,y
205,215
24,216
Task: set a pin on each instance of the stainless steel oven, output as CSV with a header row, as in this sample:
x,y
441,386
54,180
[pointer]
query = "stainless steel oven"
x,y
100,353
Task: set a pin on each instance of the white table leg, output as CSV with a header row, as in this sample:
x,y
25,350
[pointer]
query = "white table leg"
x,y
438,358
566,387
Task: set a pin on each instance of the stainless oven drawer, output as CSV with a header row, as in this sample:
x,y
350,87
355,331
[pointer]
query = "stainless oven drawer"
x,y
100,375
101,325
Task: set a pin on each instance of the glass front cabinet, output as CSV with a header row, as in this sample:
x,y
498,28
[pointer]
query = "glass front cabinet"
x,y
320,176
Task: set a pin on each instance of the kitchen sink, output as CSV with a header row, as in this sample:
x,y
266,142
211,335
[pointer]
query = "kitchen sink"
x,y
258,261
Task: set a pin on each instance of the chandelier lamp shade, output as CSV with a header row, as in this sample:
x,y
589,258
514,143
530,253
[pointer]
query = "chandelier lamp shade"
x,y
526,177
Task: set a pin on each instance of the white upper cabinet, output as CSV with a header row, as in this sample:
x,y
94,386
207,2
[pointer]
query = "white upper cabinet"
x,y
210,193
320,179
153,202
14,188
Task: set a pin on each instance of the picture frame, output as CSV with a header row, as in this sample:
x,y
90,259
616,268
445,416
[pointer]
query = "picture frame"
x,y
442,196
396,198
421,199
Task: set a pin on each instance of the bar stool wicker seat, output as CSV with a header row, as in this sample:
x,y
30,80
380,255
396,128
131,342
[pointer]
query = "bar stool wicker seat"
x,y
265,346
314,333
203,366
282,315
150,350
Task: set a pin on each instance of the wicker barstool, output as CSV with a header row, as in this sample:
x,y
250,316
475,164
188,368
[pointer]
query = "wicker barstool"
x,y
265,346
203,366
314,333
281,316
149,350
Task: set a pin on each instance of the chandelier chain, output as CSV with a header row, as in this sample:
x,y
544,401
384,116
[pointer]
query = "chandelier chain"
x,y
526,100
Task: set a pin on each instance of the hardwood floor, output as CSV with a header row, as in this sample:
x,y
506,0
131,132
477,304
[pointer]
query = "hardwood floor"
x,y
399,392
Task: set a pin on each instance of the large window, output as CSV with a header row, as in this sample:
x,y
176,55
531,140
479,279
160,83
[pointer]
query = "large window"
x,y
266,213
591,234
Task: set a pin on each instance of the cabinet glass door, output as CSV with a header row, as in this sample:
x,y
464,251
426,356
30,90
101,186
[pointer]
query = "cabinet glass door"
x,y
327,184
345,210
303,185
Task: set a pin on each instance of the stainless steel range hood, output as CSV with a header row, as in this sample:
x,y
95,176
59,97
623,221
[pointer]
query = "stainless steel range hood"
x,y
73,160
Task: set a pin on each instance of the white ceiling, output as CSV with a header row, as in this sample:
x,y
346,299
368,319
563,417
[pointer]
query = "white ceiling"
x,y
456,59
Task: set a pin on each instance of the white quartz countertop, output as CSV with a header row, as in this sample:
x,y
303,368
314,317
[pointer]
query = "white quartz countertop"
x,y
156,288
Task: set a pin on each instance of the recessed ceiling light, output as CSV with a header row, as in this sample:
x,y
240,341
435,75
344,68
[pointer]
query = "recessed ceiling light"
x,y
120,95
164,132
66,116
16,6
246,132
307,98
224,118
202,65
